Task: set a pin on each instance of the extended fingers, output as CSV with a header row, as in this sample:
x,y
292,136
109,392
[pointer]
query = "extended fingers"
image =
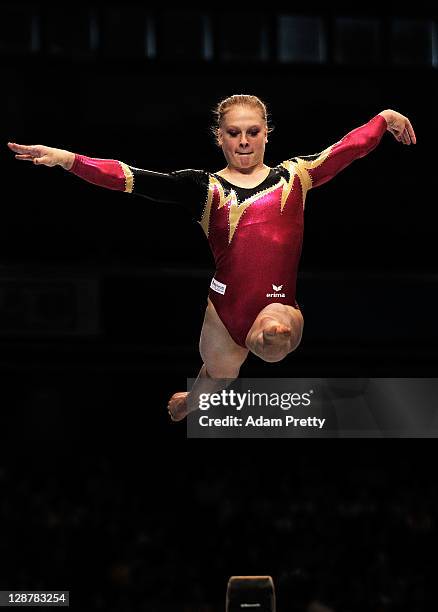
x,y
409,135
25,157
406,136
26,149
411,132
406,139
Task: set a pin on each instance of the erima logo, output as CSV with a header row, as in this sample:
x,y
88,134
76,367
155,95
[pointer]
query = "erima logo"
x,y
250,605
276,289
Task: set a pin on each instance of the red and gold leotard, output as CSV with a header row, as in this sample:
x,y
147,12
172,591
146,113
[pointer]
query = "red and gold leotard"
x,y
255,234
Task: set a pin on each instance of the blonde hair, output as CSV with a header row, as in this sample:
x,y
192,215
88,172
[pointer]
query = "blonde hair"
x,y
238,100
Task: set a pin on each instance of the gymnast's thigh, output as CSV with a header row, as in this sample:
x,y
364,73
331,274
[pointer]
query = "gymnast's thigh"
x,y
217,348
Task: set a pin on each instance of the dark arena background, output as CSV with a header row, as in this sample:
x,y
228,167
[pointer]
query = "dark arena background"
x,y
102,298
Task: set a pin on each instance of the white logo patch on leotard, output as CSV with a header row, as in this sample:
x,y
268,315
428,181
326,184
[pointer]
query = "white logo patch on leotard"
x,y
217,286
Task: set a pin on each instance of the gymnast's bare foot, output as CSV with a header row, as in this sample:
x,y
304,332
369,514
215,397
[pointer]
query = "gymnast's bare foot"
x,y
274,340
177,406
275,332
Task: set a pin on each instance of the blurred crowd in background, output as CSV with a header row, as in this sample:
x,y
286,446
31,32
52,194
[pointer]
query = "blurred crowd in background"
x,y
352,532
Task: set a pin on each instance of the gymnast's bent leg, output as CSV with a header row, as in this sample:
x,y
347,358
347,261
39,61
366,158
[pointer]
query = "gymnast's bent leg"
x,y
222,359
276,331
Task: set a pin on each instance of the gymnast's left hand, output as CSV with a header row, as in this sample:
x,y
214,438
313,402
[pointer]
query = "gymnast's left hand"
x,y
399,126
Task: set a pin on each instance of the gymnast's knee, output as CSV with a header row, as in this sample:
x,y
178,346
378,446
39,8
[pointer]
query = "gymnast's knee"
x,y
222,370
272,354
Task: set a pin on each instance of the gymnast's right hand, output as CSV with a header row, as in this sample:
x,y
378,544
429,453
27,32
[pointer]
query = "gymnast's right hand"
x,y
44,156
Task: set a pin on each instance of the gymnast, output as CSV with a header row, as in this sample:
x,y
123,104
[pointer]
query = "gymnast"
x,y
252,216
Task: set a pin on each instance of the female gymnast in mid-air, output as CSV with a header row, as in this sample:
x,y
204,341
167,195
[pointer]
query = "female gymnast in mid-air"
x,y
253,217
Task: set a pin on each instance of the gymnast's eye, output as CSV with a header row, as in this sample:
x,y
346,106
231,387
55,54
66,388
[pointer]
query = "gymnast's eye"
x,y
254,132
233,133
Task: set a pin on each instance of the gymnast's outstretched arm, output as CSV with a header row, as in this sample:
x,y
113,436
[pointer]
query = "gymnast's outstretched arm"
x,y
180,186
323,166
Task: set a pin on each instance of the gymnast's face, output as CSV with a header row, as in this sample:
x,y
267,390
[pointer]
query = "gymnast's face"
x,y
242,136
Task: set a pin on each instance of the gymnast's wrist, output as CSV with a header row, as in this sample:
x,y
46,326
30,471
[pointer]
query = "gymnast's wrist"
x,y
388,115
67,160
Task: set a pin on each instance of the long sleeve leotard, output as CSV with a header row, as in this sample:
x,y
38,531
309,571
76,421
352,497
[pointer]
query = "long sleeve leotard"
x,y
255,234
